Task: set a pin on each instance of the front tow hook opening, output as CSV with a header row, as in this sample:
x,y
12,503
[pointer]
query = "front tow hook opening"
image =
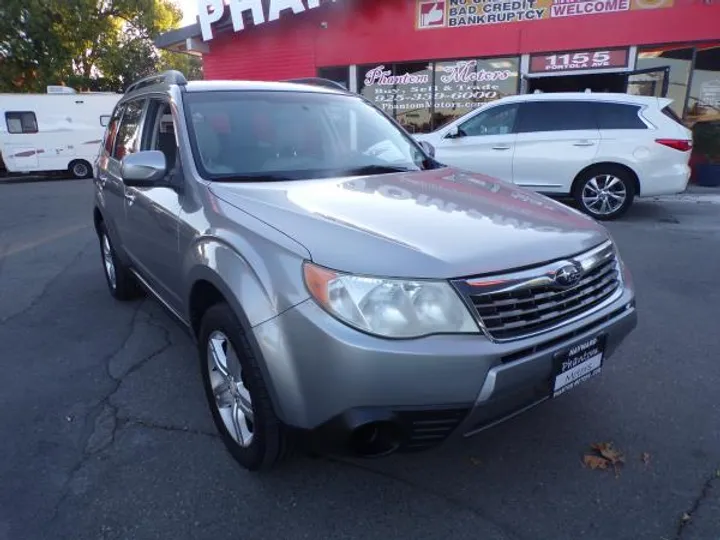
x,y
376,439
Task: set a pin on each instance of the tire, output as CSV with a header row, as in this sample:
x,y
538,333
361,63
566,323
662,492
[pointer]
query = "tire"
x,y
80,169
120,280
612,187
258,440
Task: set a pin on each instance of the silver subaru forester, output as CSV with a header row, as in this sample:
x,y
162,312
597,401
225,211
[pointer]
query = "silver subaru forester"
x,y
347,292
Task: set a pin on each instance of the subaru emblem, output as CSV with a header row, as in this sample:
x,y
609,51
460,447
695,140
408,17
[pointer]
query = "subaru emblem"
x,y
567,275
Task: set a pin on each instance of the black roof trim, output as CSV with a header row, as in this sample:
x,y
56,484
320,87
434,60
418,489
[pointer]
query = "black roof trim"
x,y
166,77
318,81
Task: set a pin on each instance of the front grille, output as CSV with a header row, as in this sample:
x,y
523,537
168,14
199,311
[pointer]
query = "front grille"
x,y
529,302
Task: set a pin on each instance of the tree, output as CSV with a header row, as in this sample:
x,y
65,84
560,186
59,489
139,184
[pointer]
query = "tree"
x,y
190,66
32,51
87,44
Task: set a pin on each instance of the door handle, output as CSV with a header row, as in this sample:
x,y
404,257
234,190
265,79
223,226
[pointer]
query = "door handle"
x,y
584,143
130,198
501,147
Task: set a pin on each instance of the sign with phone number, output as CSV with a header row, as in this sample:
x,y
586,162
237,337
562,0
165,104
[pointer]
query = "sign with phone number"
x,y
580,60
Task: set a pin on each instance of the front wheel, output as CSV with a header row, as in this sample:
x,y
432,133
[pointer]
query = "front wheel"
x,y
605,193
237,394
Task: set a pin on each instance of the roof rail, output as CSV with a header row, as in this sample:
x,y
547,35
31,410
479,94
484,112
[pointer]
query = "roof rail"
x,y
166,77
319,81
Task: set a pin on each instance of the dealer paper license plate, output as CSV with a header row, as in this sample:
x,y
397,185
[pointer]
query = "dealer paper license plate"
x,y
578,364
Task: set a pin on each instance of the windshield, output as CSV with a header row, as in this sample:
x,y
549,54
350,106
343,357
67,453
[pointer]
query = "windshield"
x,y
266,135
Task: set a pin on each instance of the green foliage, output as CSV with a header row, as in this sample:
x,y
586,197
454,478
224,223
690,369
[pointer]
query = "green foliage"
x,y
706,140
86,44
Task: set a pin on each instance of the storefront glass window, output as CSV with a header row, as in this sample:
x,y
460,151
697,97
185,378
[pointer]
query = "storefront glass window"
x,y
413,100
463,85
409,91
337,74
678,60
704,101
403,91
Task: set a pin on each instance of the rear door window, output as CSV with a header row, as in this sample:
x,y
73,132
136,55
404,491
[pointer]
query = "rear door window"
x,y
126,141
111,130
542,116
618,116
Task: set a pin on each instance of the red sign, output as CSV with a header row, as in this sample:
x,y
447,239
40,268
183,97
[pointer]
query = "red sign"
x,y
579,60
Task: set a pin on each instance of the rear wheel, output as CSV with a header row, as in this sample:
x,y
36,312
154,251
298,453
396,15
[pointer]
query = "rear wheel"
x,y
605,193
237,394
80,169
119,278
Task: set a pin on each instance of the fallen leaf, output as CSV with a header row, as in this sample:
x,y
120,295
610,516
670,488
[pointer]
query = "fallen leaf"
x,y
609,452
686,517
595,462
645,458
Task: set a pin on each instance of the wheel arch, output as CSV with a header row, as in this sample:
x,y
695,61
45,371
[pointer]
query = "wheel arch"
x,y
207,289
98,219
602,164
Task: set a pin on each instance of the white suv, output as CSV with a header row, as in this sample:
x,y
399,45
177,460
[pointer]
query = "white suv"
x,y
602,149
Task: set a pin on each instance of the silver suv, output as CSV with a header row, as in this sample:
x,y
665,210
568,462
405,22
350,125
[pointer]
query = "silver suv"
x,y
347,292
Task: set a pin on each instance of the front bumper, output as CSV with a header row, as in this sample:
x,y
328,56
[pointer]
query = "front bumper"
x,y
328,379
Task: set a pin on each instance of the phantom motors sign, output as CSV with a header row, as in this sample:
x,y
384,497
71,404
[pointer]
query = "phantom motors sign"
x,y
211,11
580,60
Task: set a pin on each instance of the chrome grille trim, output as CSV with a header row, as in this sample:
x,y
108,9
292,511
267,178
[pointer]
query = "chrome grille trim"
x,y
529,302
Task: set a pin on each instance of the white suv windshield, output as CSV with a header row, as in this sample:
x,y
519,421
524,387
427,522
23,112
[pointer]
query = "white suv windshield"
x,y
276,135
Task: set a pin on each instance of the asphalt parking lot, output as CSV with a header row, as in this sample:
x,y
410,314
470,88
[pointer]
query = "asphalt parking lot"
x,y
105,434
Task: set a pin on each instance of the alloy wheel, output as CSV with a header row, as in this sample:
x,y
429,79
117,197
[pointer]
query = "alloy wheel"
x,y
108,261
232,397
604,194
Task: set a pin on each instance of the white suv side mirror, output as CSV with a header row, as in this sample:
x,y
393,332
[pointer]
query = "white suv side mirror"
x,y
452,133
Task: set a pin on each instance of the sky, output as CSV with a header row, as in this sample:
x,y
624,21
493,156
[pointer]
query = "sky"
x,y
189,9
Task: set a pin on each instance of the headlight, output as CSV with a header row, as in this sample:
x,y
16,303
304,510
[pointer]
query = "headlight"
x,y
390,308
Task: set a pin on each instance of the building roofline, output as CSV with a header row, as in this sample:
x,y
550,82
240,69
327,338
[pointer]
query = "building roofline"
x,y
178,36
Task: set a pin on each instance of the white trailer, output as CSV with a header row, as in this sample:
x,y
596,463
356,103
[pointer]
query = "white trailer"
x,y
58,131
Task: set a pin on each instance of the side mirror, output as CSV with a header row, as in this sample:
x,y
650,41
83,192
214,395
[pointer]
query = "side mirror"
x,y
452,133
429,148
143,169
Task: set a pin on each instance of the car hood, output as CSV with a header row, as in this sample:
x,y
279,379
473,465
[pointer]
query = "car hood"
x,y
439,223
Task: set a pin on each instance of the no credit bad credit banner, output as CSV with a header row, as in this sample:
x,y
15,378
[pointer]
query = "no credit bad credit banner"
x,y
461,13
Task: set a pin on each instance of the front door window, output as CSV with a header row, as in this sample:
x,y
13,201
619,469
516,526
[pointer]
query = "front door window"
x,y
494,121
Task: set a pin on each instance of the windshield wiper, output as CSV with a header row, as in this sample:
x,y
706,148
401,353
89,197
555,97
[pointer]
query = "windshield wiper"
x,y
376,169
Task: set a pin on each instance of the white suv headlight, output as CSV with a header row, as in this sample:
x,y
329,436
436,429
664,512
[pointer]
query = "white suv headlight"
x,y
390,308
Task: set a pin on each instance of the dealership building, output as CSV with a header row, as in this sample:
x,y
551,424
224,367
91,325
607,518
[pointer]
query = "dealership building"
x,y
426,62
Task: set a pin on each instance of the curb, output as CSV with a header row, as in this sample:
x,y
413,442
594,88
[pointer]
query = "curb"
x,y
710,198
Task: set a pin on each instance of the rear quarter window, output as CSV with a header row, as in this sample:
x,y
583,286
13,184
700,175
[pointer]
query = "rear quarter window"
x,y
618,116
667,111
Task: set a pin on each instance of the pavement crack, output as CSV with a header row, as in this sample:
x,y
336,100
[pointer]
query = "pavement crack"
x,y
686,517
48,286
104,416
457,503
136,422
